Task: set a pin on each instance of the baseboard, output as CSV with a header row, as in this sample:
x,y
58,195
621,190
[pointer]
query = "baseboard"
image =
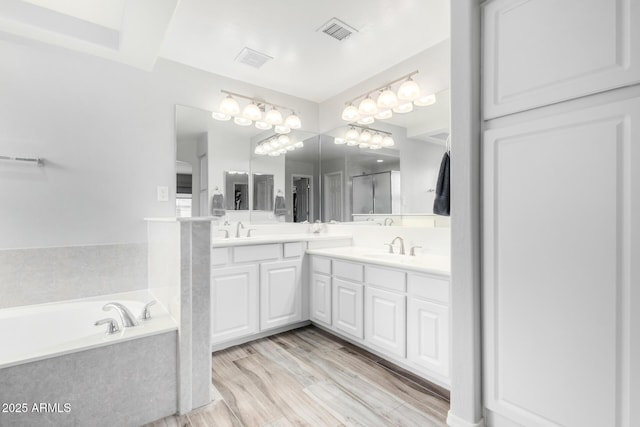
x,y
243,340
455,421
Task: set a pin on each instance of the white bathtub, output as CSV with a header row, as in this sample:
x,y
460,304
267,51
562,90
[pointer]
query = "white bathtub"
x,y
37,332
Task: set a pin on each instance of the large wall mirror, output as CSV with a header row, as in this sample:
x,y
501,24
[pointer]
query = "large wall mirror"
x,y
322,178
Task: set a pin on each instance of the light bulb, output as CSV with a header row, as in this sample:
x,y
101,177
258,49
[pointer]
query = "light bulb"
x,y
366,120
409,90
383,114
407,107
252,112
262,125
350,113
368,106
242,121
282,129
339,141
387,99
229,106
352,134
388,141
425,100
376,139
365,136
273,117
220,116
284,140
293,121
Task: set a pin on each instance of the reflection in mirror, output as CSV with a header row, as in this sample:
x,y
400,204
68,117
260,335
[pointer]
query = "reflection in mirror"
x,y
237,190
262,192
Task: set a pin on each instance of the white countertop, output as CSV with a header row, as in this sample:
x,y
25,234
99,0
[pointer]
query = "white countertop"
x,y
424,262
276,238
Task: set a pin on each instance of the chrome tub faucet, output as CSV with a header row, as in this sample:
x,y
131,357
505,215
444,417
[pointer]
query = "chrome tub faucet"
x,y
128,319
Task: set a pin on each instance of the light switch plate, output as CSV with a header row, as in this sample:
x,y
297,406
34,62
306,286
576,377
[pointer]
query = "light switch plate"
x,y
163,193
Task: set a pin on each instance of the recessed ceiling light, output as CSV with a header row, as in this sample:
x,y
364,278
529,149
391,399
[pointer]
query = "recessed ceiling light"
x,y
379,160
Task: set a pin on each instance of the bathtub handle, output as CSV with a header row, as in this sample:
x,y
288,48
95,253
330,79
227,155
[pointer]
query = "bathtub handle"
x,y
113,327
146,312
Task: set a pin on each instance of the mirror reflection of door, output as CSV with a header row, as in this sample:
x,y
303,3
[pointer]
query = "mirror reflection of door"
x,y
333,196
240,199
301,189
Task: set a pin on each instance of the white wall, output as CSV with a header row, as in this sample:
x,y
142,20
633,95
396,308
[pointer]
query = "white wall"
x,y
107,133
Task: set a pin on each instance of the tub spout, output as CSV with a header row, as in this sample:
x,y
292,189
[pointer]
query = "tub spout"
x,y
128,319
112,327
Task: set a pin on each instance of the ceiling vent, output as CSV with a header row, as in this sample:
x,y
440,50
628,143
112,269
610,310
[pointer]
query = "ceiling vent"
x,y
337,29
253,57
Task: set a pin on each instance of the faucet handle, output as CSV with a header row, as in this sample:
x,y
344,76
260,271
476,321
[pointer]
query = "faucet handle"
x,y
146,311
413,250
112,327
390,247
226,232
249,231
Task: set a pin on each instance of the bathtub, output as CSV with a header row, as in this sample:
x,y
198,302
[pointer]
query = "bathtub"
x,y
53,357
36,332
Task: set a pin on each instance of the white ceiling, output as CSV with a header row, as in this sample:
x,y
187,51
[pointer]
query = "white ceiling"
x,y
209,34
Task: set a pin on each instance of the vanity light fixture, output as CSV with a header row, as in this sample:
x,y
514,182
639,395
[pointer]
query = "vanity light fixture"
x,y
373,139
352,134
339,141
369,108
264,114
276,145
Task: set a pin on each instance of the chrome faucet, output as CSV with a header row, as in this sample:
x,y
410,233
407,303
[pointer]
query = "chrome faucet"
x,y
393,242
128,319
112,325
249,231
226,233
146,311
388,219
238,227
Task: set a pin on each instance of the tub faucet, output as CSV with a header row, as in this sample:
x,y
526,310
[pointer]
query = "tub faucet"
x,y
238,227
390,220
112,327
128,319
401,244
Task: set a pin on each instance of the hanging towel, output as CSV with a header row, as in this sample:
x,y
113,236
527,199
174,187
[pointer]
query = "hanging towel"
x,y
217,205
441,204
280,208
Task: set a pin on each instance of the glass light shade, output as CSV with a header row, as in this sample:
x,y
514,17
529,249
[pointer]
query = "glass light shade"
x,y
368,106
290,148
375,147
388,141
350,113
425,100
242,121
407,107
262,125
387,99
365,136
363,145
376,139
273,117
229,106
409,90
266,147
352,142
282,129
282,151
339,141
293,121
352,134
383,114
299,144
284,140
274,143
366,120
259,150
274,153
252,112
220,116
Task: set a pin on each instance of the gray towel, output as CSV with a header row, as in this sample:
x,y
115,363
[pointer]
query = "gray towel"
x,y
217,205
441,204
280,208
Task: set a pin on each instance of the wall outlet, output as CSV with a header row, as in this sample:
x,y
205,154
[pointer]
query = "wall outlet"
x,y
163,193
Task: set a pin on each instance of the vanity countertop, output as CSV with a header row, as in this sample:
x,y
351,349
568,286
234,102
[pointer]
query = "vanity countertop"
x,y
425,263
276,238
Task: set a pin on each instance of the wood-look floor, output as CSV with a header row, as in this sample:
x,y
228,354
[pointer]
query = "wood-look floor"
x,y
306,377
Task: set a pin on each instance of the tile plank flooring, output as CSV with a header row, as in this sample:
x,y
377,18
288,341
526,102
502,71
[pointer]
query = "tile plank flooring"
x,y
307,377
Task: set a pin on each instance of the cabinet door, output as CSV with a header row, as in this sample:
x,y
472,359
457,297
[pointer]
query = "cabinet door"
x,y
234,303
428,335
347,307
280,293
321,298
385,320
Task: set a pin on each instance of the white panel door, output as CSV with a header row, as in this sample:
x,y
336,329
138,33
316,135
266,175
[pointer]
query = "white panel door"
x,y
280,293
428,335
538,52
561,347
234,303
385,323
321,298
347,307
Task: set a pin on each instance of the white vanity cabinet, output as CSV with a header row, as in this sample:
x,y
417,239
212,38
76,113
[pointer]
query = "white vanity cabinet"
x,y
348,307
280,293
320,290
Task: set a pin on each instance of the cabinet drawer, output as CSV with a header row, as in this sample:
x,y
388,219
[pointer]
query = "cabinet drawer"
x,y
385,278
293,249
348,270
428,288
219,256
321,265
256,253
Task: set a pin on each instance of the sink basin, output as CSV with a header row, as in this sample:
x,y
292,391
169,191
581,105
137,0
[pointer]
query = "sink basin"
x,y
389,257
